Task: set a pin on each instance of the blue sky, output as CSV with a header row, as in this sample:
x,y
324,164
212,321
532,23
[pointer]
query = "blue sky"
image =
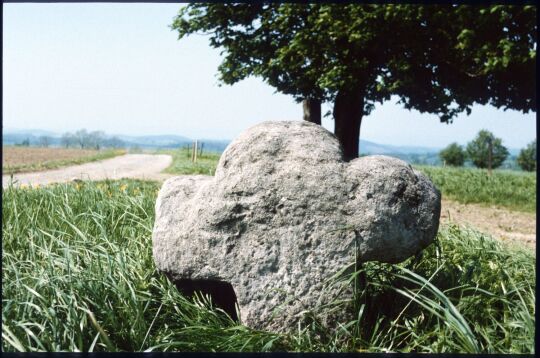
x,y
119,68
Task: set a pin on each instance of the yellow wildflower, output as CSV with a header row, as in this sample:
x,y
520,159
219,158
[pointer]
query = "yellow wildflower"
x,y
123,187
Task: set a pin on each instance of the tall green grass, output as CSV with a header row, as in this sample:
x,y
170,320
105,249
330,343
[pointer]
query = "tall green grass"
x,y
510,189
206,163
78,275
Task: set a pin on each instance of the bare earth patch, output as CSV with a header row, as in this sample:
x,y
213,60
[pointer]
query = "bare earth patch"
x,y
503,224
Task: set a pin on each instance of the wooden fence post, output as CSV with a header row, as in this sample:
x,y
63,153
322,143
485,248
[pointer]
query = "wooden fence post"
x,y
201,149
490,155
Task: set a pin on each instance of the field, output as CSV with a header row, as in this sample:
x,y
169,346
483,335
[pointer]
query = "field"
x,y
29,159
514,190
78,275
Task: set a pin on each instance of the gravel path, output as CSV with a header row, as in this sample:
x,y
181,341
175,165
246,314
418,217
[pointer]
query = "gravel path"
x,y
141,166
506,225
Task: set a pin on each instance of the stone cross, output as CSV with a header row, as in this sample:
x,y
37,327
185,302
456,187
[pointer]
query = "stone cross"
x,y
283,214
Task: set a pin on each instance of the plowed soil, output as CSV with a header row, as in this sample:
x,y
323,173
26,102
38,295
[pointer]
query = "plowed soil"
x,y
16,156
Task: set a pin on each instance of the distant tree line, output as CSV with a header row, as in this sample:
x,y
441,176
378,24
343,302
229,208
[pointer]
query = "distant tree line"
x,y
89,140
487,152
79,139
527,157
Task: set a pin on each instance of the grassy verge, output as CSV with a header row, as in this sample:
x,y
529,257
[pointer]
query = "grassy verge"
x,y
182,164
510,189
55,163
78,275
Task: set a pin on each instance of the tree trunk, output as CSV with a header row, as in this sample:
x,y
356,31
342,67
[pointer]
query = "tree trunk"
x,y
348,112
312,110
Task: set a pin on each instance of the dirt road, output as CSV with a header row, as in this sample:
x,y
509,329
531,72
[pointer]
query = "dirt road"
x,y
506,225
141,166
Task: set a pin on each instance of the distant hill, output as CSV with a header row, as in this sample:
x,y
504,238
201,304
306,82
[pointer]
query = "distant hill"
x,y
410,154
375,148
172,141
12,136
154,141
214,145
35,132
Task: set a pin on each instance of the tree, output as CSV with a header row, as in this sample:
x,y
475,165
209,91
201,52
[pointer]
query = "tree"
x,y
527,157
25,143
95,139
437,59
44,141
312,110
453,155
68,140
113,142
486,151
82,138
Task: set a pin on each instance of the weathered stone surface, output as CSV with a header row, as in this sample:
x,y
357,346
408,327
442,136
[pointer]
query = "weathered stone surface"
x,y
284,213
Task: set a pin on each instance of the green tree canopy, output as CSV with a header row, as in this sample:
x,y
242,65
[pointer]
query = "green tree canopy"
x,y
527,157
453,155
437,59
486,151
